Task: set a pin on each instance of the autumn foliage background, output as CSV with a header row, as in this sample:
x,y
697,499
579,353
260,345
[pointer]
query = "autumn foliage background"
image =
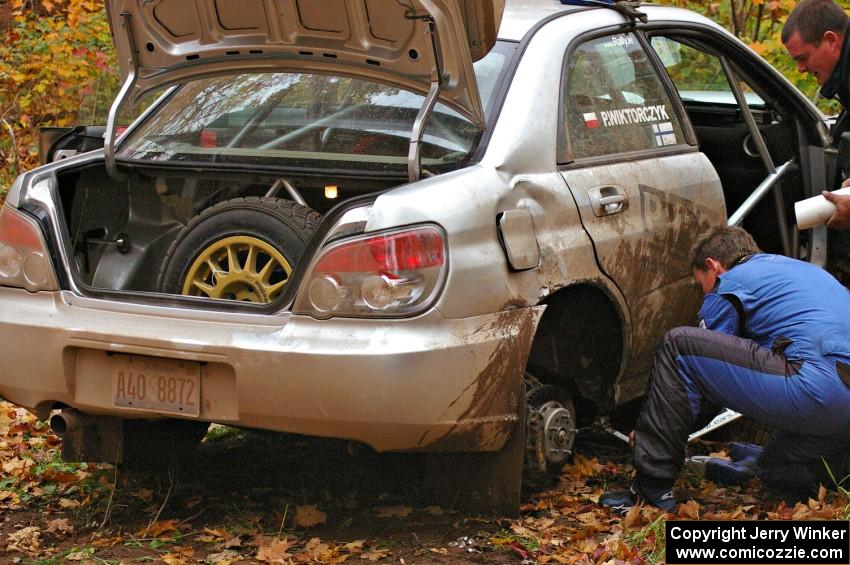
x,y
57,64
57,68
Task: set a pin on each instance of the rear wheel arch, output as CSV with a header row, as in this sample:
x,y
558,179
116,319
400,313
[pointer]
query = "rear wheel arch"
x,y
580,345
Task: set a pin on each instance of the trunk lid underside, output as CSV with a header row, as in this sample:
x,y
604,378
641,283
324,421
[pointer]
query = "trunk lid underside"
x,y
171,41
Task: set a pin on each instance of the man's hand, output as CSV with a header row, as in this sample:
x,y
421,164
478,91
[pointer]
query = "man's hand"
x,y
840,219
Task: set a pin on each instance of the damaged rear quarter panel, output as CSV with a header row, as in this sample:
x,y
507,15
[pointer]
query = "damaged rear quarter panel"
x,y
487,407
518,170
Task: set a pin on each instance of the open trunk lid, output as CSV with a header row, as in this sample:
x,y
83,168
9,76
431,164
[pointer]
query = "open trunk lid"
x,y
164,42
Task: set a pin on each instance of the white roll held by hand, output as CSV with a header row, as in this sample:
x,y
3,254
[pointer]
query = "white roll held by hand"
x,y
814,211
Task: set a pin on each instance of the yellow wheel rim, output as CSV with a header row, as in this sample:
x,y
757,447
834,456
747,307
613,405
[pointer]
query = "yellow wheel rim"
x,y
241,267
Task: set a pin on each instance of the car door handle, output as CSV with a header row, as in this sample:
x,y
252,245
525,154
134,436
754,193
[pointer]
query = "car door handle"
x,y
607,200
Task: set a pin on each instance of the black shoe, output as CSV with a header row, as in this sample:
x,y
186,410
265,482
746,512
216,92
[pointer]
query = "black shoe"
x,y
622,501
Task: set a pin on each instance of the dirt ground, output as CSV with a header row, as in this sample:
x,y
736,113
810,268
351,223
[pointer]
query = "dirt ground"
x,y
253,497
240,488
248,497
234,501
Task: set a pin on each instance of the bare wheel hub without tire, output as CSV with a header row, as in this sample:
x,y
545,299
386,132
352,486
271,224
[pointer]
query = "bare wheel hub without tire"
x,y
239,267
558,432
550,430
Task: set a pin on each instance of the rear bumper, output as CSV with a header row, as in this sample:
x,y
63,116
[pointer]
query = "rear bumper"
x,y
430,383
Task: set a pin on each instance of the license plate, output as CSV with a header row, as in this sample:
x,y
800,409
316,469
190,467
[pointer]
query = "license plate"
x,y
156,384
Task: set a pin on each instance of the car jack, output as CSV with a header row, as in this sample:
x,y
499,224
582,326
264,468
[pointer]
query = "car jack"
x,y
725,417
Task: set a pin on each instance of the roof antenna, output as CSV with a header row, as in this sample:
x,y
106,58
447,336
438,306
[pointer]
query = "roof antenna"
x,y
628,8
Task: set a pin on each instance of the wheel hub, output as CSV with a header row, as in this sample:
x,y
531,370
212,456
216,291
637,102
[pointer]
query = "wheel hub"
x,y
551,432
240,267
558,432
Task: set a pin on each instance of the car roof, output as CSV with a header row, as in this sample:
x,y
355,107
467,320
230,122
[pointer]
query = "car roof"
x,y
521,16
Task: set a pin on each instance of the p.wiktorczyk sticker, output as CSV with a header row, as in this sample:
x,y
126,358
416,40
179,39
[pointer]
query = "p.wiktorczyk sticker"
x,y
664,134
638,115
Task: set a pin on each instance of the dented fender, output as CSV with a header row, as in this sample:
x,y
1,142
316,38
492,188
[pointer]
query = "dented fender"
x,y
486,409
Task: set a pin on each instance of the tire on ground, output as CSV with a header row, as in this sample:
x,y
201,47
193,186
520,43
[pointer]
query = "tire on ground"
x,y
269,233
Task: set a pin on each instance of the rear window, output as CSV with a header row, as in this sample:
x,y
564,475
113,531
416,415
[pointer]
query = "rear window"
x,y
309,120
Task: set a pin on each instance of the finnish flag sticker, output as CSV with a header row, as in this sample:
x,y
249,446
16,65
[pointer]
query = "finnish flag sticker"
x,y
664,134
590,120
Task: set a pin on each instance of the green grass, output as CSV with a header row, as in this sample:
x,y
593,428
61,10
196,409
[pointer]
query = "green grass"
x,y
842,490
87,552
650,540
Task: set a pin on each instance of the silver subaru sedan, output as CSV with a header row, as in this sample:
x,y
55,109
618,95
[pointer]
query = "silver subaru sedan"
x,y
457,227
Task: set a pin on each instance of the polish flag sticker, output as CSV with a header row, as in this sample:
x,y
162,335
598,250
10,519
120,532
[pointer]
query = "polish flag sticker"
x,y
590,120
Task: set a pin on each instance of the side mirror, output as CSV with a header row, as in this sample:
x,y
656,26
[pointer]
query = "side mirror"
x,y
844,156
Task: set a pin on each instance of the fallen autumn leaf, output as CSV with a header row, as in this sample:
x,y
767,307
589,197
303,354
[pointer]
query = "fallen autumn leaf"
x,y
309,515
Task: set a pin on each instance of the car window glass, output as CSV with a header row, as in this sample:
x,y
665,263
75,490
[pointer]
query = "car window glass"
x,y
95,104
279,118
615,101
698,75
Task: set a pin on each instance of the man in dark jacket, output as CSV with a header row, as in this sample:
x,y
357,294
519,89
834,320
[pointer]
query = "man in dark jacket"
x,y
774,345
815,35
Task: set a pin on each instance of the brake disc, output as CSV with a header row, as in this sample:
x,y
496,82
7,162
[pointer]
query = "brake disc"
x,y
550,430
559,432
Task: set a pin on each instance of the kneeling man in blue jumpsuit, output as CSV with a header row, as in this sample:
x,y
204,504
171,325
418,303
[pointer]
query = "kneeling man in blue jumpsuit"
x,y
774,345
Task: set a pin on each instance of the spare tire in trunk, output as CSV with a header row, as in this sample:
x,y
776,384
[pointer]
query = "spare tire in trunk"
x,y
241,249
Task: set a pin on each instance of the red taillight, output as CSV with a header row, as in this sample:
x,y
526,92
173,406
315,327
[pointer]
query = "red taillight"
x,y
24,261
405,251
16,231
209,138
396,273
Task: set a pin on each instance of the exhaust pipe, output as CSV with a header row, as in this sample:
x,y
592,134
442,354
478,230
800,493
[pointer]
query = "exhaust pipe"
x,y
70,420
